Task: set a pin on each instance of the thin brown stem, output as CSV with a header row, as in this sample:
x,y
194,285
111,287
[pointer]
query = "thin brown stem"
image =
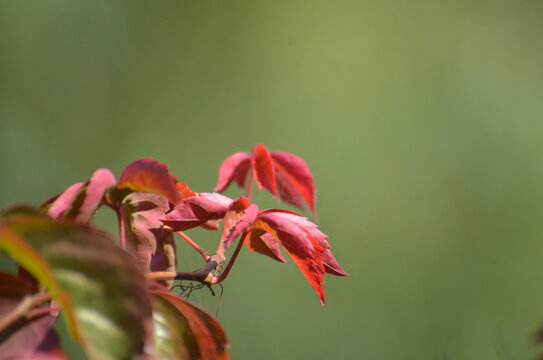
x,y
161,275
23,309
41,311
196,247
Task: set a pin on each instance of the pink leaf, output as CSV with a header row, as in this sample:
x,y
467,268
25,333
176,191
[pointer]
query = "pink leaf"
x,y
235,167
64,201
99,183
81,200
197,210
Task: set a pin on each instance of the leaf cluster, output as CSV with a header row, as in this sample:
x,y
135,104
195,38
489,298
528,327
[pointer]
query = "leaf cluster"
x,y
115,296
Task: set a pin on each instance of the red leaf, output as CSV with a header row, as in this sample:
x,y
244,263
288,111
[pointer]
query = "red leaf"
x,y
263,170
235,167
14,287
184,190
304,243
285,175
197,210
294,180
239,216
330,264
150,175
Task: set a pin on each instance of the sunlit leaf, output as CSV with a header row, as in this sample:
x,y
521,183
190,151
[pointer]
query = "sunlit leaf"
x,y
263,170
184,190
285,175
150,175
294,179
304,243
235,167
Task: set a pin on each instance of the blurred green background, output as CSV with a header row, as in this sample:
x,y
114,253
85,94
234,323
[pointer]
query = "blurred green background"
x,y
421,121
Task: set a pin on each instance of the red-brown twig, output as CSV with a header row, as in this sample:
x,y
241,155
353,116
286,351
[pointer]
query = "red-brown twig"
x,y
196,247
203,275
24,308
120,221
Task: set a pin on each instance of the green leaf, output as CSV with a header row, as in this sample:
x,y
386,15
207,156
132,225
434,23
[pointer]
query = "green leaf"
x,y
98,286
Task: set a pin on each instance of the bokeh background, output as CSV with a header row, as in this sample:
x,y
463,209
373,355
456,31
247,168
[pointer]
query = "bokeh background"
x,y
421,121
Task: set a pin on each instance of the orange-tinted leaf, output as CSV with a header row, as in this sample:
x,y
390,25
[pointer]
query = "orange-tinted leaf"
x,y
235,167
263,171
263,243
239,216
294,180
150,175
184,190
184,331
197,210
